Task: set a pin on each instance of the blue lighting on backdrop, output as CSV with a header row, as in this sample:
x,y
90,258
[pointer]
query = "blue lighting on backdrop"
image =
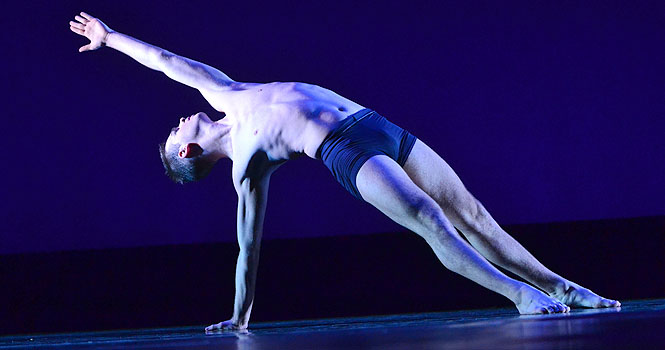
x,y
547,111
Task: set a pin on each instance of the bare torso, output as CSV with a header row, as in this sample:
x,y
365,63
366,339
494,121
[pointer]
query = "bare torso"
x,y
281,120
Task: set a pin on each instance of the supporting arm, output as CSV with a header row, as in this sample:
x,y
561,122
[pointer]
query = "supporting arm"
x,y
251,211
252,199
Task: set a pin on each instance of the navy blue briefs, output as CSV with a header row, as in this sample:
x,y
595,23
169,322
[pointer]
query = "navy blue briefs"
x,y
356,139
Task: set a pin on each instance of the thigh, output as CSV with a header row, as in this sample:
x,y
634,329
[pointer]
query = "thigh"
x,y
436,178
385,185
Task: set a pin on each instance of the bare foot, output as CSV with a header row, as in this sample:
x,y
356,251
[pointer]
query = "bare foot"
x,y
532,301
578,296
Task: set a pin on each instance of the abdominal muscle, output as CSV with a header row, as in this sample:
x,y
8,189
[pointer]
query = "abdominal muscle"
x,y
317,129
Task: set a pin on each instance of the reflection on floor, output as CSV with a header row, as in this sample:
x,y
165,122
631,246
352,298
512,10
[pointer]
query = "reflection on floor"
x,y
637,324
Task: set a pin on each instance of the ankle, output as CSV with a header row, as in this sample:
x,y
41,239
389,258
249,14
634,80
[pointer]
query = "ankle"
x,y
558,286
522,292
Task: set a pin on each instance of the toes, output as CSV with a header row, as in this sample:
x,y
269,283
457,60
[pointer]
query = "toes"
x,y
564,308
558,308
609,303
553,309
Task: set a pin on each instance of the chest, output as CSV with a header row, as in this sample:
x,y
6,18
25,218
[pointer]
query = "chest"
x,y
274,132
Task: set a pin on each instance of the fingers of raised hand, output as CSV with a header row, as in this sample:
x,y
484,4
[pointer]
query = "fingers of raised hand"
x,y
76,25
81,19
86,16
76,30
84,48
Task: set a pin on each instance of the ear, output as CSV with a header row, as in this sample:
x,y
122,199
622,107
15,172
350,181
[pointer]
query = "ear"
x,y
190,150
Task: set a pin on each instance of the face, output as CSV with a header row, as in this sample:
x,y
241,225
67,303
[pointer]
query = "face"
x,y
189,130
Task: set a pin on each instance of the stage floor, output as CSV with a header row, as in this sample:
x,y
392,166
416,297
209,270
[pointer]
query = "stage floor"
x,y
637,324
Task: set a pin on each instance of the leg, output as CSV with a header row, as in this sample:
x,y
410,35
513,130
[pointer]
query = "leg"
x,y
438,180
385,185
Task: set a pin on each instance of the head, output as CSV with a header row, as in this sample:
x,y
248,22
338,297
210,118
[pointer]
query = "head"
x,y
184,154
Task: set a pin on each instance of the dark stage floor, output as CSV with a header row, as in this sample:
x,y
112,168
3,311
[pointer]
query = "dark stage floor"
x,y
637,325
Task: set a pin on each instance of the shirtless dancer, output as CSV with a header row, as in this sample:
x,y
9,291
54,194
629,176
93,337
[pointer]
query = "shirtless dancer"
x,y
375,160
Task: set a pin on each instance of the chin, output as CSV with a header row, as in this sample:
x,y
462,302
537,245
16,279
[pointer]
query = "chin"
x,y
203,117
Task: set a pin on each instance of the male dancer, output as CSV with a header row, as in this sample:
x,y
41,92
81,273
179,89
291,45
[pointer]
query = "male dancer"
x,y
375,160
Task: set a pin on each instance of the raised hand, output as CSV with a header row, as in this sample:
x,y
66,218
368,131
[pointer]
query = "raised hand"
x,y
92,28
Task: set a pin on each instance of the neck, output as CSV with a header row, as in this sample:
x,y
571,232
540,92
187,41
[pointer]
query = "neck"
x,y
221,146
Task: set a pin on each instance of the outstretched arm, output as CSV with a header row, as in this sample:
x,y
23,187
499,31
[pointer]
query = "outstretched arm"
x,y
181,69
252,199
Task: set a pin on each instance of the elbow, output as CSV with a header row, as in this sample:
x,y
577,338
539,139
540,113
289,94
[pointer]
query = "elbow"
x,y
165,55
249,250
163,59
247,245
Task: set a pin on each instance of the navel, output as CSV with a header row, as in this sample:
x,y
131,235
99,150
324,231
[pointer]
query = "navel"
x,y
342,109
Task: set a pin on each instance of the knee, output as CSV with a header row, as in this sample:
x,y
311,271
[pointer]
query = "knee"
x,y
473,214
470,211
430,218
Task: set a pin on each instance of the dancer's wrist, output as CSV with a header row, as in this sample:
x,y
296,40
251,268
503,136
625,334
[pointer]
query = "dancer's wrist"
x,y
106,37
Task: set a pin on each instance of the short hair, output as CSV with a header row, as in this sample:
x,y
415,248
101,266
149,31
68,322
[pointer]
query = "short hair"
x,y
182,170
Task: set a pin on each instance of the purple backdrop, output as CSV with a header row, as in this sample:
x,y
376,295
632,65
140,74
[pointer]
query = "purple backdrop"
x,y
548,112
